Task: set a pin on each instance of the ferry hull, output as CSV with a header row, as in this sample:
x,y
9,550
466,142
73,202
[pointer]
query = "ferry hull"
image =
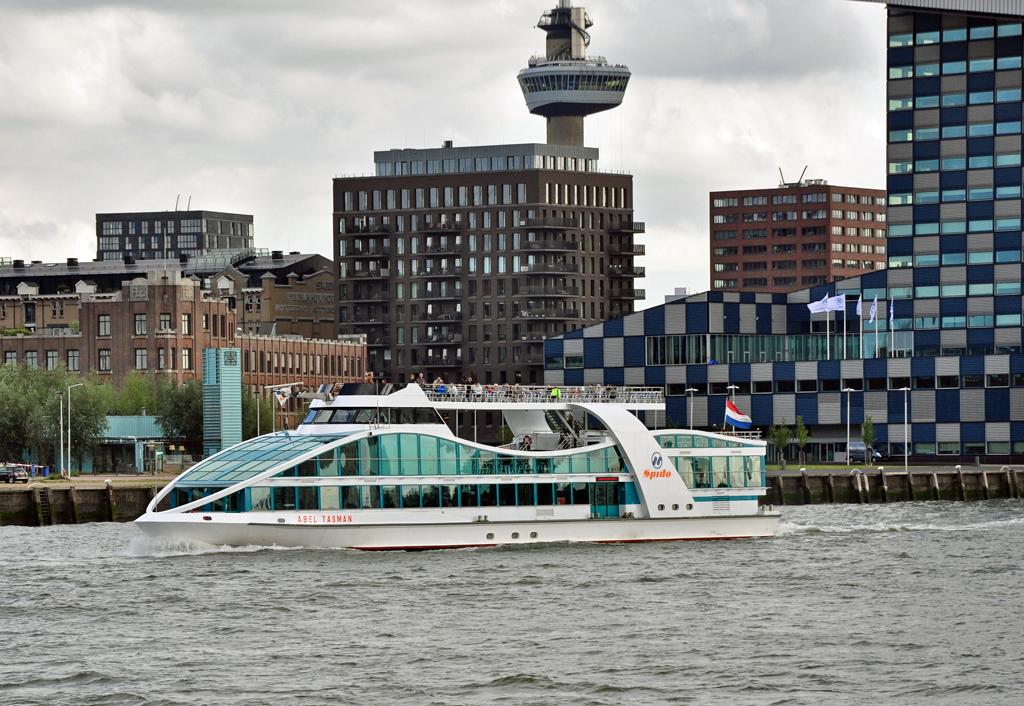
x,y
460,534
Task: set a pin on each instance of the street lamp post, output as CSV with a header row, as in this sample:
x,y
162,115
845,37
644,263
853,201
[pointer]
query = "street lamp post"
x,y
69,424
906,437
690,391
847,390
60,394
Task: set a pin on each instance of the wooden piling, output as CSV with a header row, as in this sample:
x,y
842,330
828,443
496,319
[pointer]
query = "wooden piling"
x,y
779,489
806,488
960,483
984,485
830,486
910,486
111,505
935,485
885,488
38,505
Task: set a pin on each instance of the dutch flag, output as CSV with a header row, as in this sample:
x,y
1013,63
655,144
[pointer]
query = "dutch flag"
x,y
734,417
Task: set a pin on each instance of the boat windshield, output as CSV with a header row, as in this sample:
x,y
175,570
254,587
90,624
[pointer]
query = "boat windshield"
x,y
252,457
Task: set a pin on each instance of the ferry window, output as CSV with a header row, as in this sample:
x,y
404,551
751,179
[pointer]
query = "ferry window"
x,y
486,463
545,494
307,467
308,498
449,496
562,494
467,461
387,446
409,445
469,495
597,461
284,498
371,497
179,497
581,493
561,464
350,497
428,456
427,415
431,496
349,460
667,442
410,496
364,416
259,499
403,416
330,497
216,505
319,416
233,502
524,465
488,496
506,494
328,463
506,465
449,457
702,472
391,496
737,469
343,416
544,466
719,468
615,464
525,494
685,467
368,456
753,471
311,416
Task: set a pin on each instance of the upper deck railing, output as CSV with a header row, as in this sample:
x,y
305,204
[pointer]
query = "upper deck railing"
x,y
583,394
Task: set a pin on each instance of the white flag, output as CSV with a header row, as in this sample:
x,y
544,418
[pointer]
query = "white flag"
x,y
281,397
837,303
860,301
874,310
818,307
892,312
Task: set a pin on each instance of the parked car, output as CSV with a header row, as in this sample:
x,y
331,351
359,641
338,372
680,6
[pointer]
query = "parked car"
x,y
859,453
12,474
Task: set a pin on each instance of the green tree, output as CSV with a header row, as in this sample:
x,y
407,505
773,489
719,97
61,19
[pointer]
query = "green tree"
x,y
780,436
180,413
801,436
867,431
250,405
137,391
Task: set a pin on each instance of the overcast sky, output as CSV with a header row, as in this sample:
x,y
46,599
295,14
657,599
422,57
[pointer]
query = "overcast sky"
x,y
253,106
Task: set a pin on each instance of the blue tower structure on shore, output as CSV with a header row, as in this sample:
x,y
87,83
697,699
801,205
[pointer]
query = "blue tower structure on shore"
x,y
564,85
222,399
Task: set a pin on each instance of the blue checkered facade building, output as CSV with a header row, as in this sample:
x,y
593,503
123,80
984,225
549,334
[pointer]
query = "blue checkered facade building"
x,y
953,283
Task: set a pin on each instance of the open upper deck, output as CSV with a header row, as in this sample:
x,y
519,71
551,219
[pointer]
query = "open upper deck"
x,y
494,397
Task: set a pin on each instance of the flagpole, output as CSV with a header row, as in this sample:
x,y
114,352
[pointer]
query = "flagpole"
x,y
860,317
844,329
828,333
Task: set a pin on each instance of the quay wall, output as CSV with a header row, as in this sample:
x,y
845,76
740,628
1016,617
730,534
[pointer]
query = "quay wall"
x,y
889,487
38,505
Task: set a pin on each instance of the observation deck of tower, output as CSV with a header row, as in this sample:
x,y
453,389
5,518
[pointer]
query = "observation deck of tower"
x,y
565,85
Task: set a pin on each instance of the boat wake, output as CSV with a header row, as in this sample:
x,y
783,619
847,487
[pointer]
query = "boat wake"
x,y
153,547
797,528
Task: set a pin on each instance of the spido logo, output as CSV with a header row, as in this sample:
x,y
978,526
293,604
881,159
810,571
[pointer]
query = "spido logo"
x,y
657,461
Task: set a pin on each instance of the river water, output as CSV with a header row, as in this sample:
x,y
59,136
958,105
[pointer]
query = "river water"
x,y
898,604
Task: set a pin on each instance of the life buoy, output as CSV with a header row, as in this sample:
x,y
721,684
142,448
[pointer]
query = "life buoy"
x,y
527,441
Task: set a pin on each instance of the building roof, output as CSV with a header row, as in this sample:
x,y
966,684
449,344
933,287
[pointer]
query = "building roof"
x,y
198,213
987,7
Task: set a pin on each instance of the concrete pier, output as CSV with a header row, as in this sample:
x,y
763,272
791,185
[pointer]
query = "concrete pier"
x,y
40,505
873,486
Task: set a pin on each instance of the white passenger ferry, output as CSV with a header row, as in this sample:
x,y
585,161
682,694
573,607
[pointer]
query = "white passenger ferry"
x,y
369,471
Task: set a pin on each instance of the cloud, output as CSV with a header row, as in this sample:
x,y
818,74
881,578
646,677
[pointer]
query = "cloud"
x,y
254,105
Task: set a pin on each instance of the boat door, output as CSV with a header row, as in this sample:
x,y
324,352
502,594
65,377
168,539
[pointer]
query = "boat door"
x,y
604,500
